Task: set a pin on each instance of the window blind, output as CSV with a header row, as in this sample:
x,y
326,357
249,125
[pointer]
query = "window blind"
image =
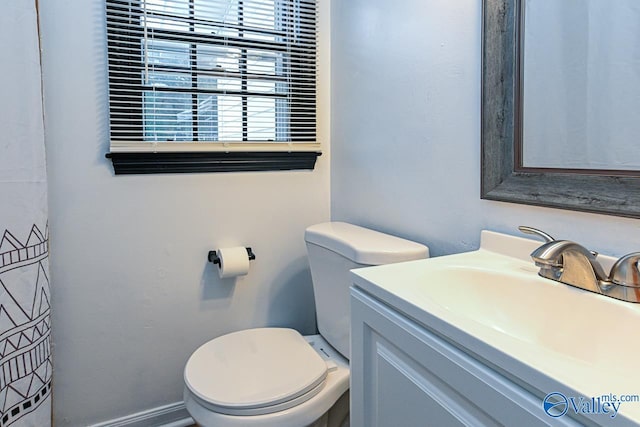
x,y
212,75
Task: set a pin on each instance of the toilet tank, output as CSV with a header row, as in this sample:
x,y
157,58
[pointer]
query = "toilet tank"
x,y
334,248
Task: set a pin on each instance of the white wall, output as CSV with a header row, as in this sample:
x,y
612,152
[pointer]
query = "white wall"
x,y
581,98
406,131
133,295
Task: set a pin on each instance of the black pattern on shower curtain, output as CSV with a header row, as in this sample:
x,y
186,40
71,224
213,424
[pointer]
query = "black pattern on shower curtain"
x,y
25,357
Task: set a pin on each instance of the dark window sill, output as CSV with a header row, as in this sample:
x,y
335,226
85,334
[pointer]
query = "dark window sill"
x,y
197,162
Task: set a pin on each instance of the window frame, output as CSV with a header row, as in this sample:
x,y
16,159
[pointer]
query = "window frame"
x,y
127,114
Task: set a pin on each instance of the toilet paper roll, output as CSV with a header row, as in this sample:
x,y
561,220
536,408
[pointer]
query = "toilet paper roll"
x,y
233,262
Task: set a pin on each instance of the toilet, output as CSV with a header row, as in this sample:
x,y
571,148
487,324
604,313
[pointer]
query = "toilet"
x,y
275,377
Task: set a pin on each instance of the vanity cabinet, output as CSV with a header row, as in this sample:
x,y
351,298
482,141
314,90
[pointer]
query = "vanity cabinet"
x,y
404,374
480,339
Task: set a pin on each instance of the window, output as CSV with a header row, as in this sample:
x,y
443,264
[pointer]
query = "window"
x,y
212,85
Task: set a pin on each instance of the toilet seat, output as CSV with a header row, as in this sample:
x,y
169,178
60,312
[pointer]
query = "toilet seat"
x,y
255,372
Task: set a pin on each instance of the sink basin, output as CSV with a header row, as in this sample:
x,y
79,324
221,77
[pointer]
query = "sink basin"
x,y
534,310
493,303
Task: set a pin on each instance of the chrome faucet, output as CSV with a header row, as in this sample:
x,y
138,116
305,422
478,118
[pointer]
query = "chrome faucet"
x,y
578,266
570,263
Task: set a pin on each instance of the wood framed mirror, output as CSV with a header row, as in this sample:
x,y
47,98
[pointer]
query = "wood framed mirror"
x,y
504,175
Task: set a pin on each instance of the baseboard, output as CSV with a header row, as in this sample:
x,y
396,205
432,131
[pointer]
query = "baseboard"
x,y
174,415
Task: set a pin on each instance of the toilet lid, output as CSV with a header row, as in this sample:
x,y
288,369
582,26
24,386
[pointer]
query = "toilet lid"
x,y
254,368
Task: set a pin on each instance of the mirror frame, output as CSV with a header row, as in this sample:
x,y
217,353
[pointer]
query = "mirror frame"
x,y
503,177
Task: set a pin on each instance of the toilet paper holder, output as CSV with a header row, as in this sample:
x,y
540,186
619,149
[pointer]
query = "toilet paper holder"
x,y
214,258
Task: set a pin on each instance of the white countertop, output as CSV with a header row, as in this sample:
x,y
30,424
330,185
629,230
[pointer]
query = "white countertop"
x,y
492,303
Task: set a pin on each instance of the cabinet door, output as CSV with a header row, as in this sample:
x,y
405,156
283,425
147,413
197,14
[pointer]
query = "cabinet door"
x,y
405,393
404,375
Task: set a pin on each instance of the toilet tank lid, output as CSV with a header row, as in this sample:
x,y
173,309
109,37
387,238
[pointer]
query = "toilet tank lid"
x,y
364,246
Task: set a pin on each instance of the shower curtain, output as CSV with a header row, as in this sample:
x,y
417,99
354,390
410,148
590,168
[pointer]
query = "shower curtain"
x,y
25,358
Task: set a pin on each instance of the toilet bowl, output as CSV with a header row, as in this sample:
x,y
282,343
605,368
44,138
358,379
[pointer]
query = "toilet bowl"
x,y
275,377
266,377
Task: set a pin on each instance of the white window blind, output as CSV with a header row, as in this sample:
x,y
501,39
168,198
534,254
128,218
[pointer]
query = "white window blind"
x,y
212,75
